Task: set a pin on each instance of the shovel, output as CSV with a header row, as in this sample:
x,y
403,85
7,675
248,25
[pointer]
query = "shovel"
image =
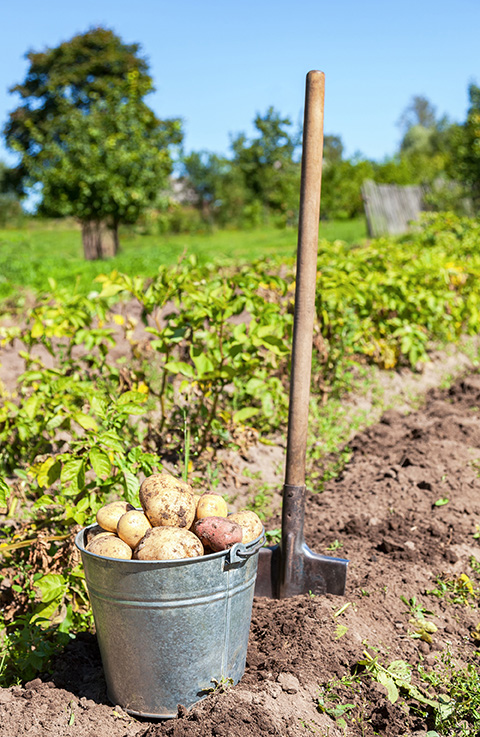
x,y
291,568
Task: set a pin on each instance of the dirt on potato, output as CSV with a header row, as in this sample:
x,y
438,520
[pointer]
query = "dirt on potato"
x,y
404,511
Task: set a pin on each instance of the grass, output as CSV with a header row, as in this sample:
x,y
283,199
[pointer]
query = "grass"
x,y
32,254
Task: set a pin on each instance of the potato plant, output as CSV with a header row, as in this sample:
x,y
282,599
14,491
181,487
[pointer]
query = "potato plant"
x,y
83,429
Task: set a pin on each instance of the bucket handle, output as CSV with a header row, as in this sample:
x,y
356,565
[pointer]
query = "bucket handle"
x,y
239,552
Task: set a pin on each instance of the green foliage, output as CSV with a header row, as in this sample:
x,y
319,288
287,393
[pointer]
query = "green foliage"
x,y
86,135
458,712
467,144
458,590
84,429
70,76
341,188
108,165
259,183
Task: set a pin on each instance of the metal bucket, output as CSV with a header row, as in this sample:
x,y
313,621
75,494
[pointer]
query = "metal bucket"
x,y
169,631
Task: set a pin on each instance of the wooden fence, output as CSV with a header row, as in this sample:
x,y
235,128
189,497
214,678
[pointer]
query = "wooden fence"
x,y
389,208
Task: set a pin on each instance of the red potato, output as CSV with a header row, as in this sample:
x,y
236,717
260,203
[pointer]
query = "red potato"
x,y
217,533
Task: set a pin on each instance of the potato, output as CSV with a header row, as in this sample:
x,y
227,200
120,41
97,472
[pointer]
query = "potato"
x,y
108,516
168,543
167,501
217,533
110,546
211,504
249,522
94,531
132,526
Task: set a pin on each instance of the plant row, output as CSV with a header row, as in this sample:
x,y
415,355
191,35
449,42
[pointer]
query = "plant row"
x,y
172,368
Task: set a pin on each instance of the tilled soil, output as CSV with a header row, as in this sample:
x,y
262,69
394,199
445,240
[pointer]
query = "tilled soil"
x,y
382,514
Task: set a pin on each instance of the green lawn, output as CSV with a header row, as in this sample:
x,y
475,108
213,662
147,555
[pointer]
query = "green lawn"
x,y
29,256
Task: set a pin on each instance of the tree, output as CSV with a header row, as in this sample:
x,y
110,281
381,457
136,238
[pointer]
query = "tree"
x,y
267,163
86,135
332,149
419,111
467,147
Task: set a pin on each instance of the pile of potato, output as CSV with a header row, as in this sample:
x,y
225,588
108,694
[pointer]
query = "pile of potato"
x,y
173,523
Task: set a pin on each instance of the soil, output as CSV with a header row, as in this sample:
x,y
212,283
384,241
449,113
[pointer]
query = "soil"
x,y
382,514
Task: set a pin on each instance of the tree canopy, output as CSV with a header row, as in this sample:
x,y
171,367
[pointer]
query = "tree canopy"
x,y
86,135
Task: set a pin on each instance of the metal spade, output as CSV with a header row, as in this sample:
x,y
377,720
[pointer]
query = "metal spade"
x,y
292,568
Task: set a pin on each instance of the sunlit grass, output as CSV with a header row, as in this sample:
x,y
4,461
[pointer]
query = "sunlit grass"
x,y
29,256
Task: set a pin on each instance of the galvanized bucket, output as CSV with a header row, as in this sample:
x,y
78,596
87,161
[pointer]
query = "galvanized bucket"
x,y
169,631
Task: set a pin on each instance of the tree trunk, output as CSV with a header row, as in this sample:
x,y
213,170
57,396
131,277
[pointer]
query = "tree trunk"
x,y
99,241
92,240
116,240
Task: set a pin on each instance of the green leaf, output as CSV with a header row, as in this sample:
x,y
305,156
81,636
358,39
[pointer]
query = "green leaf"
x,y
99,406
131,397
441,502
244,414
85,421
386,680
111,440
131,487
401,669
52,586
30,406
180,367
49,472
73,471
55,422
100,462
4,492
203,364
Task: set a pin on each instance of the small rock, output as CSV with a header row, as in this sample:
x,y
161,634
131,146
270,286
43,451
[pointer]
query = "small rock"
x,y
5,696
289,683
33,684
410,545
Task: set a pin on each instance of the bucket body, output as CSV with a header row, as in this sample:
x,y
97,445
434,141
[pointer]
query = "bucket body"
x,y
169,631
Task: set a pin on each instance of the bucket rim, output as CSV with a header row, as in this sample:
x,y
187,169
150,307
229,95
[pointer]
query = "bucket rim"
x,y
247,549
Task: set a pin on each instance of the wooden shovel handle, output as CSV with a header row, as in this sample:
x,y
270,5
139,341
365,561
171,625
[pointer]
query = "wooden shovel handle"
x,y
307,248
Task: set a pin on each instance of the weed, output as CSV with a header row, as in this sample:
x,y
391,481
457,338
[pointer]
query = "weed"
x,y
423,628
458,710
261,501
458,590
336,545
219,686
273,537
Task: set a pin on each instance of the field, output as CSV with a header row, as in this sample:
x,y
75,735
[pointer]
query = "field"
x,y
103,386
43,250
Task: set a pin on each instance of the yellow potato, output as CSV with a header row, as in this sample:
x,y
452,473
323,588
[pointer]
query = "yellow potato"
x,y
167,501
132,526
110,546
249,522
168,543
211,504
108,515
92,532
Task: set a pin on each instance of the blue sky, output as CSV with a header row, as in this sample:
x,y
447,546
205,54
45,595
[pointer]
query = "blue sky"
x,y
216,63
